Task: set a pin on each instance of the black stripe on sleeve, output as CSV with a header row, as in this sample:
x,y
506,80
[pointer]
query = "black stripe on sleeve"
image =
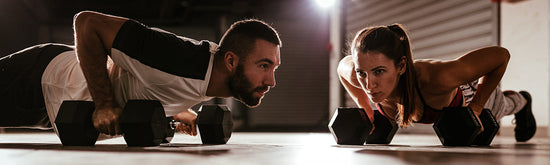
x,y
163,50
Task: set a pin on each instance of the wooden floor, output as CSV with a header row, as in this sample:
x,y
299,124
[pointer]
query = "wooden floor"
x,y
269,148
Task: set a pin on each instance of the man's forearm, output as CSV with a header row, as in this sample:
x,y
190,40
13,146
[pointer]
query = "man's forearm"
x,y
99,85
94,34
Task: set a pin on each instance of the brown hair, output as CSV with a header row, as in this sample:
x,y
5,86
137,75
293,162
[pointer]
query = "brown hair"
x,y
393,42
241,37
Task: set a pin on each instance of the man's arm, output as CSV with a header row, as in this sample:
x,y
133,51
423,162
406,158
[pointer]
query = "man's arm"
x,y
94,36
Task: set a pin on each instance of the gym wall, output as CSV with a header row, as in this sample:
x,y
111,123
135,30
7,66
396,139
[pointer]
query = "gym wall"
x,y
525,32
300,99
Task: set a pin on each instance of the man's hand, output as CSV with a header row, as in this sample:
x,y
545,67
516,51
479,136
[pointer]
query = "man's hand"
x,y
187,122
106,120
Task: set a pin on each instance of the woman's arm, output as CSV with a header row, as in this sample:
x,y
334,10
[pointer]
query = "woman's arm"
x,y
487,64
94,36
348,78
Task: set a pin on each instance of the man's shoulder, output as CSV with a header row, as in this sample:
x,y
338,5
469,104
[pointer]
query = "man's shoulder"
x,y
165,51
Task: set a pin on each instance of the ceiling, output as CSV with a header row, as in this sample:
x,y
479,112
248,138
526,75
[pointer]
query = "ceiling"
x,y
149,11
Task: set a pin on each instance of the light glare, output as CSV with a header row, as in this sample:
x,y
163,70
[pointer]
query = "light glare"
x,y
324,3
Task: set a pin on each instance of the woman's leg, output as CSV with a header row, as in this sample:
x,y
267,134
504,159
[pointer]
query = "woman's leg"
x,y
526,126
504,103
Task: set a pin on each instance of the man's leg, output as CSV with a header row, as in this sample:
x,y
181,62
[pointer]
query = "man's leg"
x,y
21,99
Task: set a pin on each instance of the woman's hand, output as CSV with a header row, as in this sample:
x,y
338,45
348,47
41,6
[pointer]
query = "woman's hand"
x,y
477,111
372,130
370,118
187,122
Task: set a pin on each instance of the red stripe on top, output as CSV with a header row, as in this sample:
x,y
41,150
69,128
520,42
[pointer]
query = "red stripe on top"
x,y
379,108
431,114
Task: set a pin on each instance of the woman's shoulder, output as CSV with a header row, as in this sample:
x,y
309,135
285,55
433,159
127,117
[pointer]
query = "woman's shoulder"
x,y
346,60
428,71
422,70
433,74
424,63
346,70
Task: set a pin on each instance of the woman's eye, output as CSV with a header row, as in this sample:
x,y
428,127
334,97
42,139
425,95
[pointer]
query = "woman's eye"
x,y
378,71
361,74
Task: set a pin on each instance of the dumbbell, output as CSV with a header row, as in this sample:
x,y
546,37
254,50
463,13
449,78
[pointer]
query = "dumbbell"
x,y
214,122
138,123
490,128
143,123
458,126
74,123
351,126
384,130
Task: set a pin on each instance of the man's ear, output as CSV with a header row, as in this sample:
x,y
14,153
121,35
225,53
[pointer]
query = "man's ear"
x,y
231,60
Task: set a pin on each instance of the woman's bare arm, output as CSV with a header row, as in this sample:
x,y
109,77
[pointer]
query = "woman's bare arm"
x,y
487,64
346,73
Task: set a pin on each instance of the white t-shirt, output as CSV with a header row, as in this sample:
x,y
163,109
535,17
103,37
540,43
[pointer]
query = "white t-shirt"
x,y
177,75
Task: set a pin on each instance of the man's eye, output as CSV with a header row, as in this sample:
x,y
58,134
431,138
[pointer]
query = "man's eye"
x,y
264,66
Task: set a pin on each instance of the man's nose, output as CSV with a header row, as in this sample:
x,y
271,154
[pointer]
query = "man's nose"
x,y
270,80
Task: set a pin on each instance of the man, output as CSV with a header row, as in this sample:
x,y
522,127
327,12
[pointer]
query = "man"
x,y
116,59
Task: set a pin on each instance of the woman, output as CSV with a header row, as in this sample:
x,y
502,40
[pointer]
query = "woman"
x,y
381,69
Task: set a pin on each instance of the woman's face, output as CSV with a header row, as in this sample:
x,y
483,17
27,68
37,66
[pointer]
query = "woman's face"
x,y
377,74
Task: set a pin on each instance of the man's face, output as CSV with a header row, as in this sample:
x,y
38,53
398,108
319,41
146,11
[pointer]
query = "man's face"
x,y
255,74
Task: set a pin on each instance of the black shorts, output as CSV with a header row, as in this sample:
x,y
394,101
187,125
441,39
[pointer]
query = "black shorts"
x,y
21,99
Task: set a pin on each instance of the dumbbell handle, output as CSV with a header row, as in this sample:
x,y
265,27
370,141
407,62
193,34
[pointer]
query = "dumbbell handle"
x,y
174,124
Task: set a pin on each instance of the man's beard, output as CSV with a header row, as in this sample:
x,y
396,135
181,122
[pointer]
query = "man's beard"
x,y
243,90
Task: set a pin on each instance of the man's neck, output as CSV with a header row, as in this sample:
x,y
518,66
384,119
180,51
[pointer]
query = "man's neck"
x,y
218,86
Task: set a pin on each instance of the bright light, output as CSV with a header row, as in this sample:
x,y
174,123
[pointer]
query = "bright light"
x,y
325,3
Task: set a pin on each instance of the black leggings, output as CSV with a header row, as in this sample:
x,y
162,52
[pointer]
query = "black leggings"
x,y
21,99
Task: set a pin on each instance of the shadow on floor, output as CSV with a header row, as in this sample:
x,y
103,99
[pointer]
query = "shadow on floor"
x,y
494,154
196,149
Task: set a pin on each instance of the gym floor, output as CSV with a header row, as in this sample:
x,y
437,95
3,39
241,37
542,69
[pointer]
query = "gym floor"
x,y
17,148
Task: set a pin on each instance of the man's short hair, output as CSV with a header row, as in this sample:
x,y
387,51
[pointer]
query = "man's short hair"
x,y
241,37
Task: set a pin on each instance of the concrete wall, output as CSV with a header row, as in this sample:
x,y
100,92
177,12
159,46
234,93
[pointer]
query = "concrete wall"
x,y
525,32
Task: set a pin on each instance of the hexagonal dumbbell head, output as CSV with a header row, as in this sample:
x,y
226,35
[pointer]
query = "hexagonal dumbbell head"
x,y
456,126
215,124
350,126
170,130
74,123
143,123
490,128
384,130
